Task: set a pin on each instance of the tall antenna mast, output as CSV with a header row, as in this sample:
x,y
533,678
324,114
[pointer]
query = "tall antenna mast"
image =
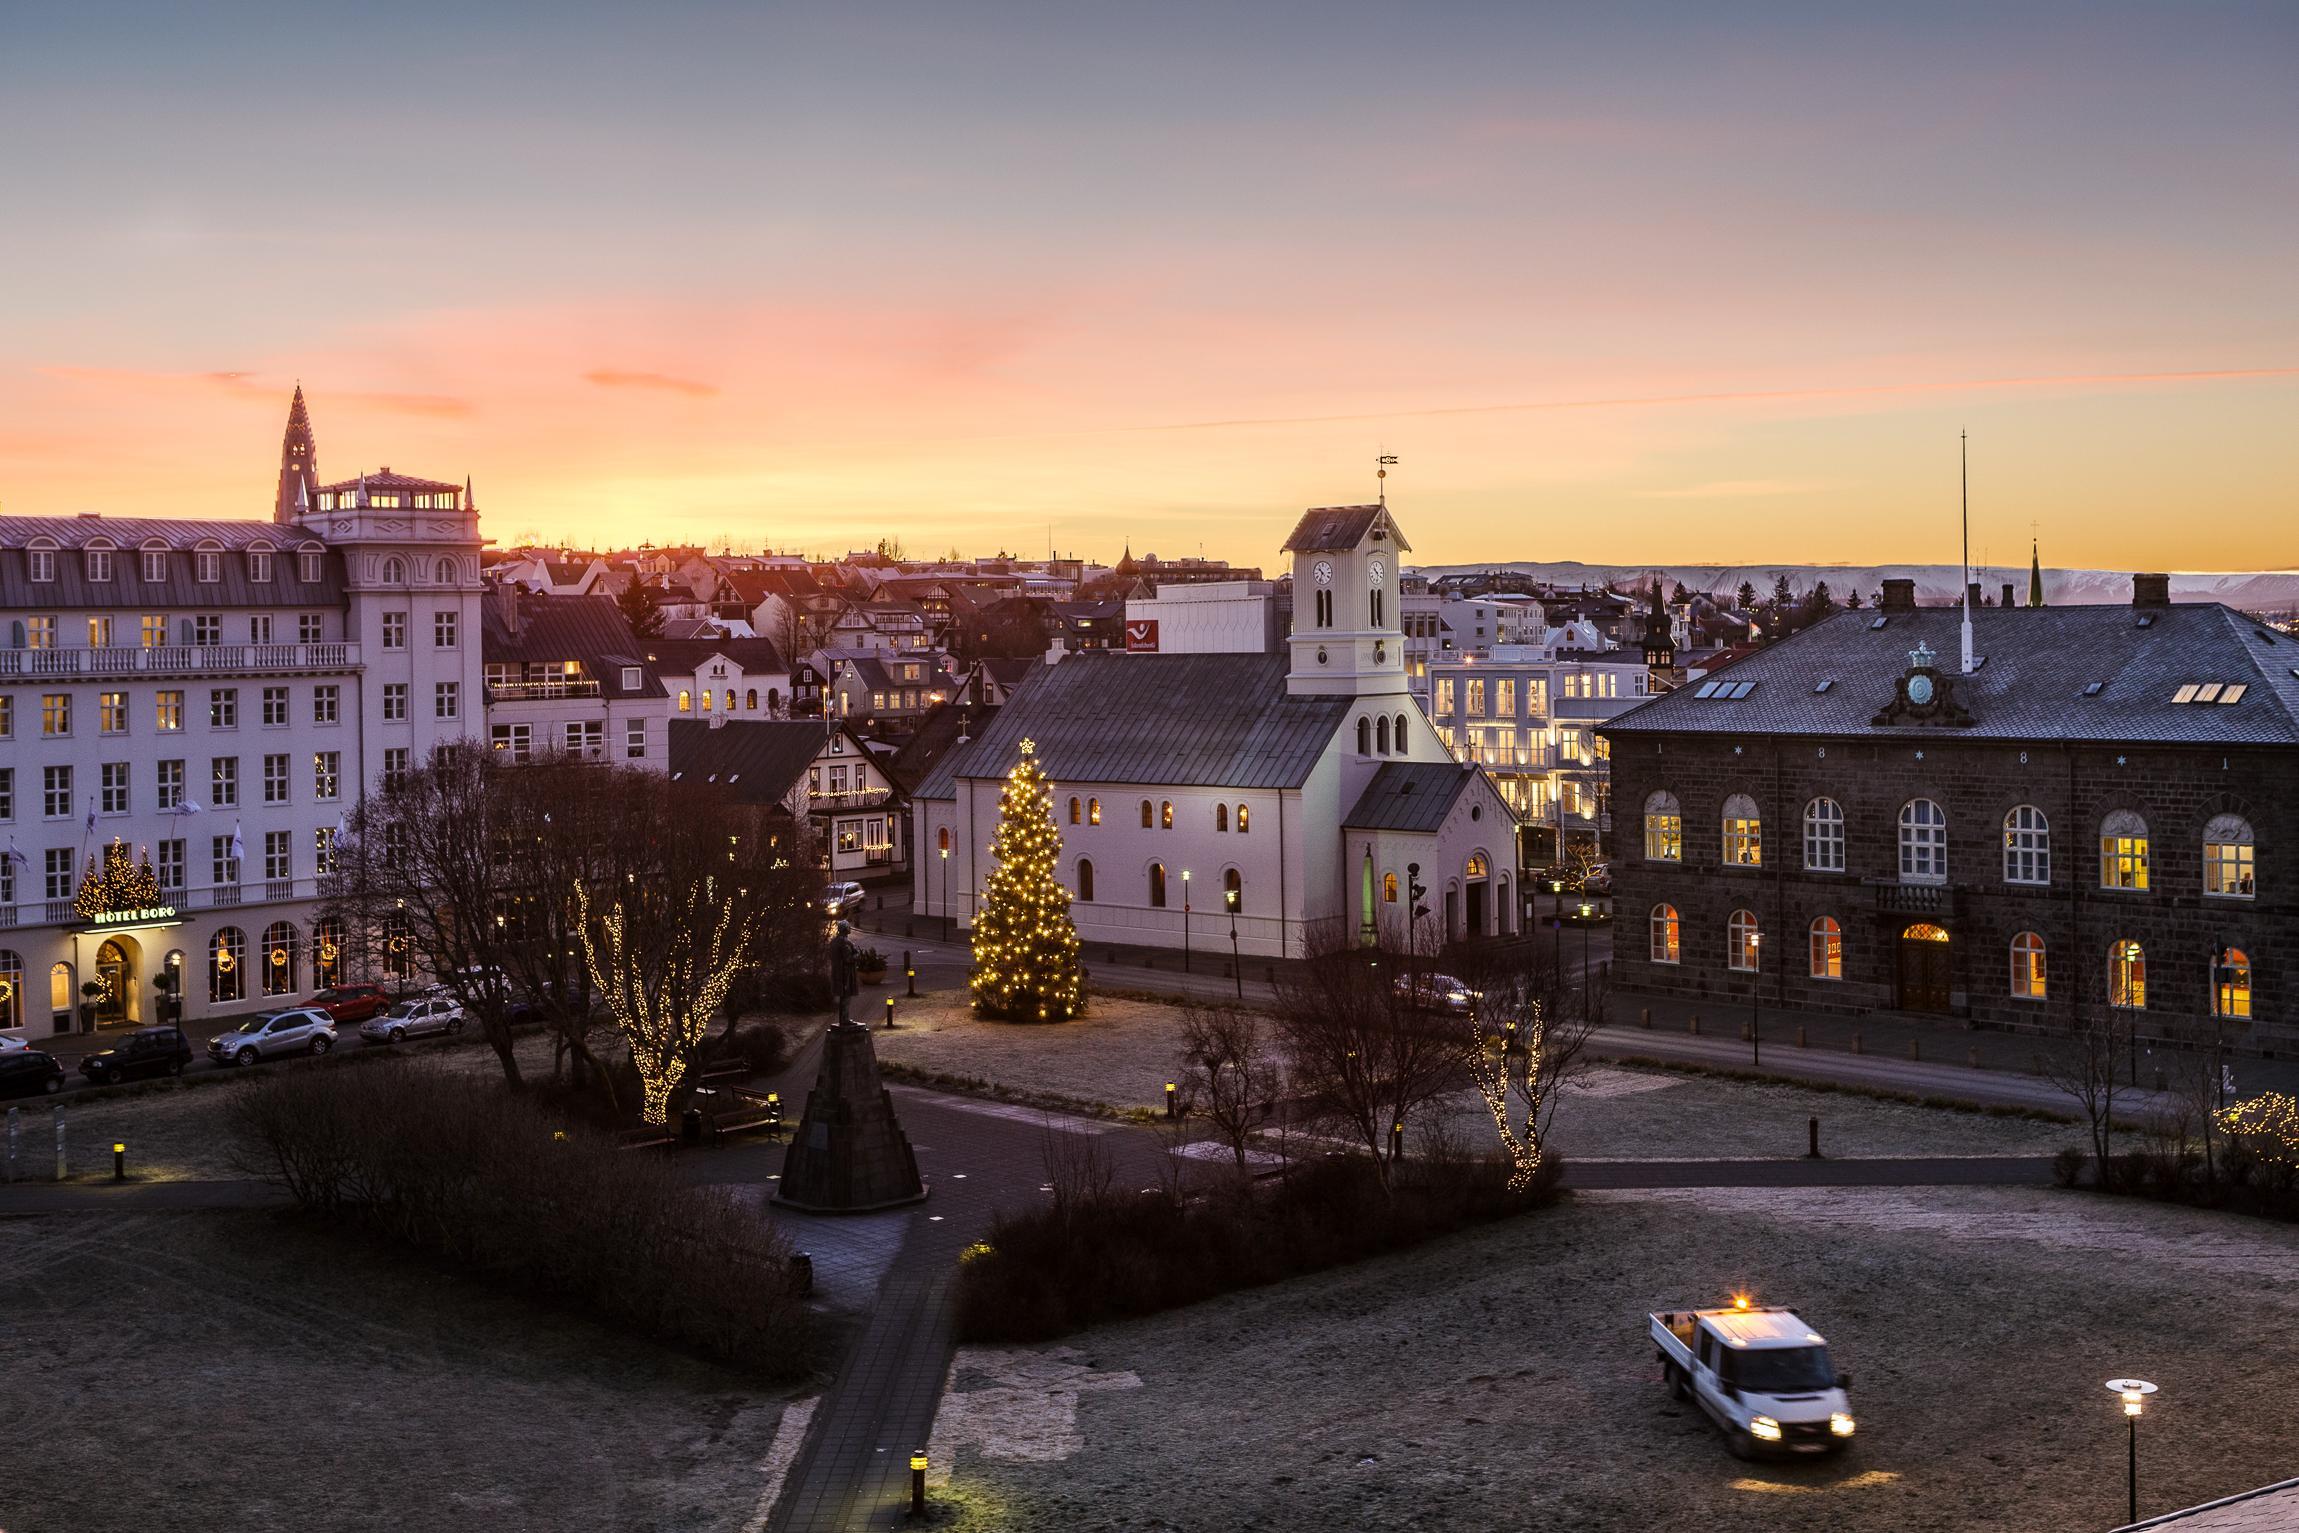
x,y
1964,445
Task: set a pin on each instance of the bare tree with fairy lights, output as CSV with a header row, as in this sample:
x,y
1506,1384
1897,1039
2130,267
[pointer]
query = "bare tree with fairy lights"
x,y
663,967
1025,946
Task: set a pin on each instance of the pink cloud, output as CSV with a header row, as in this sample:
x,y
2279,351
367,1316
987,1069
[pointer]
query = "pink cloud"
x,y
610,378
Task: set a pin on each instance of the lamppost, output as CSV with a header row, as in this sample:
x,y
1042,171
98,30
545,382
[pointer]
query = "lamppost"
x,y
1236,963
1755,989
1185,920
945,894
2219,997
1414,911
2134,1393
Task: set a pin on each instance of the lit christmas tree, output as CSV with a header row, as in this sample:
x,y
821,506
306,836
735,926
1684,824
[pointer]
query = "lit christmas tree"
x,y
1025,949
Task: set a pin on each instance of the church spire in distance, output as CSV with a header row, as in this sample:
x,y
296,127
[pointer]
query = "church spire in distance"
x,y
2035,573
298,462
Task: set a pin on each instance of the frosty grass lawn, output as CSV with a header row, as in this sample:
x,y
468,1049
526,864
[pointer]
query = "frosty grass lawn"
x,y
1502,1379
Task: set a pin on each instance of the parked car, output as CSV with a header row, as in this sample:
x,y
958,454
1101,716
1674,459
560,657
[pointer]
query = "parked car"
x,y
11,1045
842,899
146,1051
413,1019
25,1071
1597,880
269,1034
352,1003
1437,992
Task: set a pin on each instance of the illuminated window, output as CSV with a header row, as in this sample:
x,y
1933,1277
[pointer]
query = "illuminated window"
x,y
1157,885
1241,817
2027,847
1827,949
227,954
1664,934
2228,868
1093,811
2028,967
1233,890
1743,938
1148,816
1077,812
1743,833
1389,888
2123,851
2127,975
1824,836
1165,814
1663,830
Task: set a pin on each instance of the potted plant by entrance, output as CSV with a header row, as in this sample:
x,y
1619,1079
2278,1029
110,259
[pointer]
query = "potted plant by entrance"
x,y
171,1004
90,993
870,966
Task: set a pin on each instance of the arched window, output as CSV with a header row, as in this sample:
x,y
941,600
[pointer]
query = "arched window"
x,y
1241,819
686,700
1077,811
394,571
1221,817
443,573
1743,833
2228,867
1824,836
1086,879
1663,829
1157,885
1093,811
1664,934
1743,940
1476,866
942,838
227,965
1233,890
62,993
1381,734
750,699
1923,842
1827,949
280,959
2231,984
1364,736
1388,888
1148,815
2123,851
2028,967
1165,814
2027,847
2127,975
774,699
327,953
1399,735
11,988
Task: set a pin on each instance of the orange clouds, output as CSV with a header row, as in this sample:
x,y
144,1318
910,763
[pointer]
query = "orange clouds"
x,y
608,378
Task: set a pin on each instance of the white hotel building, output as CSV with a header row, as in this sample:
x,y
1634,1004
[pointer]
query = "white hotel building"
x,y
212,697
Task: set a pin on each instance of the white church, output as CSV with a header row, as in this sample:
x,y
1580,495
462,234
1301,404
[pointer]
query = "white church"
x,y
1300,792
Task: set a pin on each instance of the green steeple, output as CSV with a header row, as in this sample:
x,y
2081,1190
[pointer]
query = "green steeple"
x,y
2035,575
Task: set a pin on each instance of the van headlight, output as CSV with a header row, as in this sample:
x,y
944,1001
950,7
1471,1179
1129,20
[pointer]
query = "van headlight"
x,y
1840,1424
1764,1427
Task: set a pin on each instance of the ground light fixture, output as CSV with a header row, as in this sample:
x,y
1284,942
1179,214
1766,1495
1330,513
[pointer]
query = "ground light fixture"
x,y
2133,1393
119,1161
918,1483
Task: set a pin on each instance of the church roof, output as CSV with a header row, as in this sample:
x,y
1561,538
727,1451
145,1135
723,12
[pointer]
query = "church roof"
x,y
1222,721
1410,796
385,479
1339,527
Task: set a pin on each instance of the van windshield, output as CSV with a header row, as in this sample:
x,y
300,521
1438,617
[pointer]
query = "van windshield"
x,y
1783,1370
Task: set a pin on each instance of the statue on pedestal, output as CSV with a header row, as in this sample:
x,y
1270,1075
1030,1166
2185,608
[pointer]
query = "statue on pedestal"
x,y
849,1154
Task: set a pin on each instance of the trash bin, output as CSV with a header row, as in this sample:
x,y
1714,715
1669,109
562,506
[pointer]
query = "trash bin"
x,y
690,1125
802,1272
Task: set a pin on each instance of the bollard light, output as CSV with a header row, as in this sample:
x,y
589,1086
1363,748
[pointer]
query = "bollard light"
x,y
918,1483
119,1161
1397,1140
890,1011
1172,1100
909,971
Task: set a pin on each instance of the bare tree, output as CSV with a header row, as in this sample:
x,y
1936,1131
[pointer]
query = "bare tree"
x,y
1522,1051
1230,1074
2084,1068
1368,1051
664,965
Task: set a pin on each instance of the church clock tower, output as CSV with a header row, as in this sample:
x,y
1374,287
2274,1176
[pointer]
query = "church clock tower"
x,y
1347,637
298,465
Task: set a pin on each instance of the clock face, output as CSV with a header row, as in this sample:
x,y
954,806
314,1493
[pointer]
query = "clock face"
x,y
1323,570
1919,690
1374,571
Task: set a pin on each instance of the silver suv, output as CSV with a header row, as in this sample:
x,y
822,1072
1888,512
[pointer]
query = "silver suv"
x,y
270,1034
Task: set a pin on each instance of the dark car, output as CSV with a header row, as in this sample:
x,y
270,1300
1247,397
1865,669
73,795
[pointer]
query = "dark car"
x,y
352,1003
146,1051
25,1071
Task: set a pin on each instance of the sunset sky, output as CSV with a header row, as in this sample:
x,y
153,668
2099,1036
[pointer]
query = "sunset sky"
x,y
1645,285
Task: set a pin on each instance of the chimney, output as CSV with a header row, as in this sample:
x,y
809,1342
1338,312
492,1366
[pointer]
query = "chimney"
x,y
2151,590
1972,594
1899,596
2007,601
506,594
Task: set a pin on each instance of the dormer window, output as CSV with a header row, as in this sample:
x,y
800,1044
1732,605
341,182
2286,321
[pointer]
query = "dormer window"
x,y
307,566
208,564
40,561
259,565
98,562
155,564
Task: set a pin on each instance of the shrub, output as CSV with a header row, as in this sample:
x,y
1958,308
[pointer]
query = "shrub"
x,y
1096,1254
763,1046
2067,1166
488,1182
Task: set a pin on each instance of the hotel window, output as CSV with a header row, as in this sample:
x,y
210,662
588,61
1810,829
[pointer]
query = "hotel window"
x,y
1663,829
2027,847
1827,949
41,563
111,713
275,707
1824,836
153,631
1505,697
2228,866
2127,975
447,700
307,567
326,773
168,862
168,710
395,702
155,564
394,766
171,786
223,708
275,779
40,633
443,630
2123,851
207,566
394,630
2027,967
1744,938
112,780
59,879
635,739
259,567
326,704
443,573
1923,842
307,628
7,717
323,849
55,713
208,629
2231,985
278,848
56,792
223,782
100,631
7,803
1444,696
259,628
1666,931
1476,707
1743,833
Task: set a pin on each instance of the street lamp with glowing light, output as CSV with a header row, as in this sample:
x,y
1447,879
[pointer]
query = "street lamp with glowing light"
x,y
2133,1393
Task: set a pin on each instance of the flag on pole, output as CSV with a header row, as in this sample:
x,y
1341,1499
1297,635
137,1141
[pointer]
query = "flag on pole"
x,y
237,850
91,827
15,856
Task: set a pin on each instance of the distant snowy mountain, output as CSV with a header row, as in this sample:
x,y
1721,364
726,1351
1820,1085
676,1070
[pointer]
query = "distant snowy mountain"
x,y
2251,590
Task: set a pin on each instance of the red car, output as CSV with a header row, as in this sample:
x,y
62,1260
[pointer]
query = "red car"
x,y
352,1003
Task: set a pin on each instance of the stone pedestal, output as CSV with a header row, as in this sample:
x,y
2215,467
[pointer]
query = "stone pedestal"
x,y
849,1155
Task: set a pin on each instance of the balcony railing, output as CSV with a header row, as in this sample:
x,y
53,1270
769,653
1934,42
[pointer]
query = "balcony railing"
x,y
179,660
1897,899
554,687
30,913
849,798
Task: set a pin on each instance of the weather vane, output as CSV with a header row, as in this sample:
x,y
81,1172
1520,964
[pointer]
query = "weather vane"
x,y
1381,473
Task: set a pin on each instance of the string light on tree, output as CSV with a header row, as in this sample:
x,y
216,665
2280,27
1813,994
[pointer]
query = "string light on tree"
x,y
1025,946
663,1000
1490,1067
119,885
